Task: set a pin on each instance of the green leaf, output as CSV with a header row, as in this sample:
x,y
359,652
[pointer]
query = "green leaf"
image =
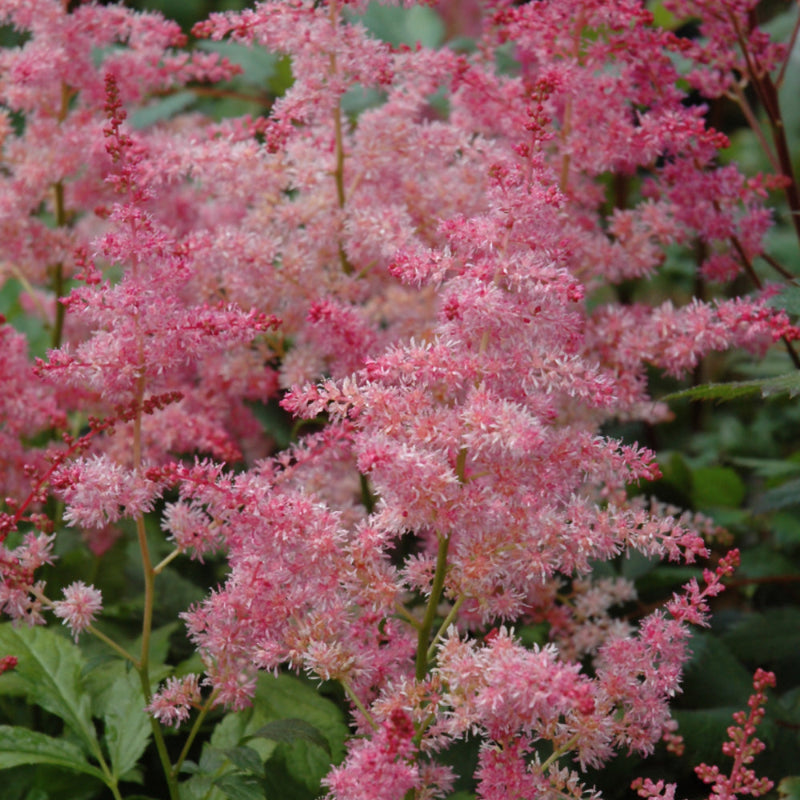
x,y
397,25
677,472
424,25
767,387
717,487
789,788
762,561
784,496
20,746
127,726
240,787
288,697
291,730
663,18
51,667
162,109
704,731
715,676
768,638
236,728
788,299
774,468
786,529
282,782
634,565
246,759
275,421
258,65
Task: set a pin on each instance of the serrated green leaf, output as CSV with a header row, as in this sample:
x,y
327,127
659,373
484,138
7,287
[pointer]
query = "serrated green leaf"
x,y
307,763
240,787
287,697
425,26
291,730
398,25
162,109
246,759
767,387
784,496
715,676
704,731
762,561
789,788
258,65
788,300
663,18
275,421
769,467
47,782
20,746
281,781
127,726
51,667
676,471
765,638
717,486
235,728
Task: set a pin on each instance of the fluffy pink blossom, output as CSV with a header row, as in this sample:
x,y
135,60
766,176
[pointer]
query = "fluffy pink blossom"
x,y
172,704
425,288
81,604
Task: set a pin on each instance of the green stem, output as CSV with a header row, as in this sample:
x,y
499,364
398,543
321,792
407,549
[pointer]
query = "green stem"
x,y
358,704
158,737
338,170
461,465
556,754
445,625
158,568
58,269
423,638
407,615
149,577
757,282
207,706
113,645
149,592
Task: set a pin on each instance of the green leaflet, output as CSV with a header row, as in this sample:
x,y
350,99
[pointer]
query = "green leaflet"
x,y
53,674
288,698
240,787
292,729
788,299
767,387
120,702
50,671
20,746
789,788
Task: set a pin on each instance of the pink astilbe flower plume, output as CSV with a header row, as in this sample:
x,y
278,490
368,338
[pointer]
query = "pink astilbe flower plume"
x,y
171,705
81,604
430,288
742,746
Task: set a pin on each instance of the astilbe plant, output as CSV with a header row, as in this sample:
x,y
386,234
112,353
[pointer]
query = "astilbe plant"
x,y
413,283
